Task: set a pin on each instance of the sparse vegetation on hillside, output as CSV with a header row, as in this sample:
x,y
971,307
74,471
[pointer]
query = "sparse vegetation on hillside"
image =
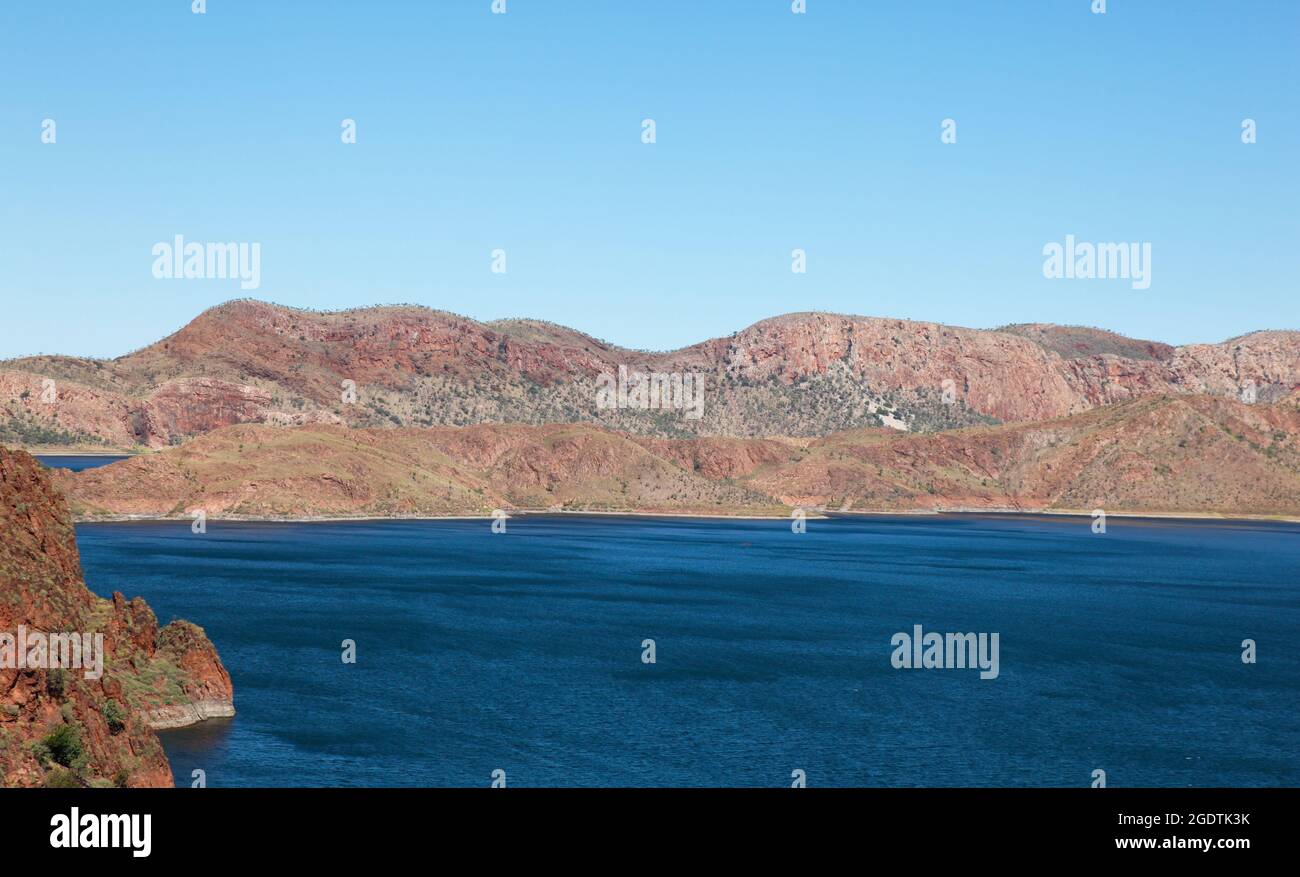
x,y
801,375
25,429
1159,455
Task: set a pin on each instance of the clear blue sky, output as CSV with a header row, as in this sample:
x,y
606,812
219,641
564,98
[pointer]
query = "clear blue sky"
x,y
775,131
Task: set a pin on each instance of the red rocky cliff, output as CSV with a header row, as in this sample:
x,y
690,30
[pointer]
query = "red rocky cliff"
x,y
57,726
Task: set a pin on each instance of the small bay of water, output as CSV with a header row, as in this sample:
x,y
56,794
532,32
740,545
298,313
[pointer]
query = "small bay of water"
x,y
77,462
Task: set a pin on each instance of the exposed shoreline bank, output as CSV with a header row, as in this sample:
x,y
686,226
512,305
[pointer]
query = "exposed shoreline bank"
x,y
820,514
73,452
186,715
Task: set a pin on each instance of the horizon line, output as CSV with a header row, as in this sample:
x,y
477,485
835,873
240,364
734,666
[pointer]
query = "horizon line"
x,y
490,323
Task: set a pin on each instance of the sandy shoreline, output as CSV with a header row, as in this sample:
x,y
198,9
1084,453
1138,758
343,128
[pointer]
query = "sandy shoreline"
x,y
1070,513
811,514
66,452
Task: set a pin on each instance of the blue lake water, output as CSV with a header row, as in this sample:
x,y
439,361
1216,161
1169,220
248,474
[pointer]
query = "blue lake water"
x,y
77,462
523,651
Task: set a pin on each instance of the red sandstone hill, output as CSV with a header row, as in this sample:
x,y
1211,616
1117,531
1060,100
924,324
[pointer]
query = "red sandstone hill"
x,y
1160,455
805,374
58,727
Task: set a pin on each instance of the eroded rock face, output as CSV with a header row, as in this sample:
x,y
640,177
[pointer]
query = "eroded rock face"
x,y
206,684
1028,373
68,412
191,406
57,726
997,374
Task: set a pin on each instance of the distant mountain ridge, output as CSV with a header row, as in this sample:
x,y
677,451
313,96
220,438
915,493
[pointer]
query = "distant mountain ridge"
x,y
802,374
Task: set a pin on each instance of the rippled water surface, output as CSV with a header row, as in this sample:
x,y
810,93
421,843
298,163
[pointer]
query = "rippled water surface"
x,y
523,651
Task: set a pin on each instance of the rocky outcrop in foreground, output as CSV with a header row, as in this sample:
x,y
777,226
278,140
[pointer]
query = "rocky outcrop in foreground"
x,y
58,727
1162,455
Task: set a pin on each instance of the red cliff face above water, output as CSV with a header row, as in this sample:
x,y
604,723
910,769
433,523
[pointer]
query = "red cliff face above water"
x,y
58,727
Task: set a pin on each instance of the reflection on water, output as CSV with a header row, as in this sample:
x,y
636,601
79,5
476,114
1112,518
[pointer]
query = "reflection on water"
x,y
198,747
